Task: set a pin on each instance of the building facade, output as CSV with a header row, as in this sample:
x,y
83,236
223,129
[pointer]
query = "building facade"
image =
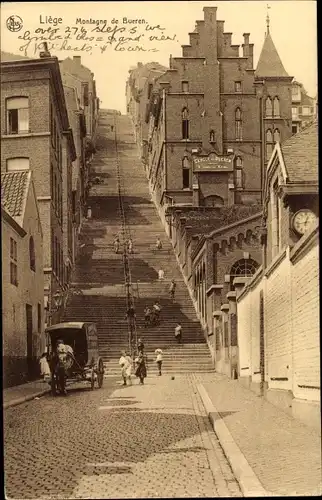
x,y
213,120
22,278
36,136
278,309
304,107
80,173
138,91
75,75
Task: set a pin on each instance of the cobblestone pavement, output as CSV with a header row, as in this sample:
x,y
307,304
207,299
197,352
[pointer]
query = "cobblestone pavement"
x,y
118,442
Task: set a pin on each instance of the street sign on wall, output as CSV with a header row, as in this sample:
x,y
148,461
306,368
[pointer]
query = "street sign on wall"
x,y
213,163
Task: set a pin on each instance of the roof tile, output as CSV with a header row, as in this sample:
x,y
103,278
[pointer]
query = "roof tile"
x,y
300,154
13,191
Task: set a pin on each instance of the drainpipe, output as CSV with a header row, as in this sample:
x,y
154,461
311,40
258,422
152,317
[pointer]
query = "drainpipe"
x,y
261,146
165,140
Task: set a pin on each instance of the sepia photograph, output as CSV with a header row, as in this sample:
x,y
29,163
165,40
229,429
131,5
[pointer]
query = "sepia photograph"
x,y
160,249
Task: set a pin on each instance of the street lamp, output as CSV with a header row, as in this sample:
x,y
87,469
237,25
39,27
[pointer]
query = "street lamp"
x,y
58,300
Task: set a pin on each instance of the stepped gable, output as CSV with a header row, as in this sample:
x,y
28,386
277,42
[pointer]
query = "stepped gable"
x,y
269,63
301,155
14,191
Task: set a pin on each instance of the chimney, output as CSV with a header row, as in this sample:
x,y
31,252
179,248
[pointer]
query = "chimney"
x,y
45,52
77,59
246,45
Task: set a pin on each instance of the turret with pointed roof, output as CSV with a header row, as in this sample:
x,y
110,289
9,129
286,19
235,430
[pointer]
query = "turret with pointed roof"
x,y
269,63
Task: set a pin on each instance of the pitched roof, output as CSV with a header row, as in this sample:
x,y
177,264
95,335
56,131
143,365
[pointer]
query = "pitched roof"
x,y
7,56
269,62
300,155
14,190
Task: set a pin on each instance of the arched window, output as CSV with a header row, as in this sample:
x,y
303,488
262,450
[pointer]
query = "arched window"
x,y
214,201
186,173
239,177
238,125
276,107
243,268
19,163
268,107
32,256
277,135
185,123
269,144
17,110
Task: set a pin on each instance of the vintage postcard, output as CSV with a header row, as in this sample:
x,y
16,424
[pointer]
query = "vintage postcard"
x,y
160,249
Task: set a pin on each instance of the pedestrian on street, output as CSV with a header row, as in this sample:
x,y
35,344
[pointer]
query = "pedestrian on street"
x,y
130,368
44,367
141,370
130,245
159,359
112,128
147,316
140,346
158,244
161,274
116,244
172,289
131,315
178,333
156,312
125,367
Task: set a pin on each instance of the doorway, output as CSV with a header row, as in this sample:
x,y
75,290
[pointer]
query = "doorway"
x,y
30,360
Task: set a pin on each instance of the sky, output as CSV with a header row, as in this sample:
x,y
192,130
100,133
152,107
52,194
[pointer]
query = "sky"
x,y
293,27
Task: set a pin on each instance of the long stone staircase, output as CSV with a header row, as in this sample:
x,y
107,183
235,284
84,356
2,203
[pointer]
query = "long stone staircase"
x,y
102,278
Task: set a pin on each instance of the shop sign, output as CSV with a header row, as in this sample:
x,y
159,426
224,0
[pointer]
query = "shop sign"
x,y
214,163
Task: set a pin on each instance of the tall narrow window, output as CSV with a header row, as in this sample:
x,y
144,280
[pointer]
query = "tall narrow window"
x,y
238,125
239,173
150,90
269,144
17,115
32,256
17,164
268,107
13,262
185,86
85,94
185,123
39,317
186,173
277,135
276,107
238,87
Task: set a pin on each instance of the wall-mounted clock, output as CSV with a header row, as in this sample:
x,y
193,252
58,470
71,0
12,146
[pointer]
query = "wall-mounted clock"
x,y
303,220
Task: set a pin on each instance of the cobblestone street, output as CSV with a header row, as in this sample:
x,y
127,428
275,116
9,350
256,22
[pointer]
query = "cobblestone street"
x,y
118,442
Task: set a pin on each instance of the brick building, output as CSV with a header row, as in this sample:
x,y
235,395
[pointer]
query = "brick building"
x,y
138,90
22,278
213,119
36,136
278,309
304,107
79,171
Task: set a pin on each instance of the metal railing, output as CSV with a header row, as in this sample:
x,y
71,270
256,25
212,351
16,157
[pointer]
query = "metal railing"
x,y
125,231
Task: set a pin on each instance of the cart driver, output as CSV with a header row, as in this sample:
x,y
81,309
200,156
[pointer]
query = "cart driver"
x,y
65,353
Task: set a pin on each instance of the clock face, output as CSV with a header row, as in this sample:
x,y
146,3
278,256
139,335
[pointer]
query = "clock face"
x,y
304,220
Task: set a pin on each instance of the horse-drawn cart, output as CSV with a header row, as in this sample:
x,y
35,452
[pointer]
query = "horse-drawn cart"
x,y
82,361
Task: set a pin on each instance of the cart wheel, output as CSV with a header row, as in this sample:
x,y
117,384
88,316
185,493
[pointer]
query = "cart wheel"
x,y
100,373
92,379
